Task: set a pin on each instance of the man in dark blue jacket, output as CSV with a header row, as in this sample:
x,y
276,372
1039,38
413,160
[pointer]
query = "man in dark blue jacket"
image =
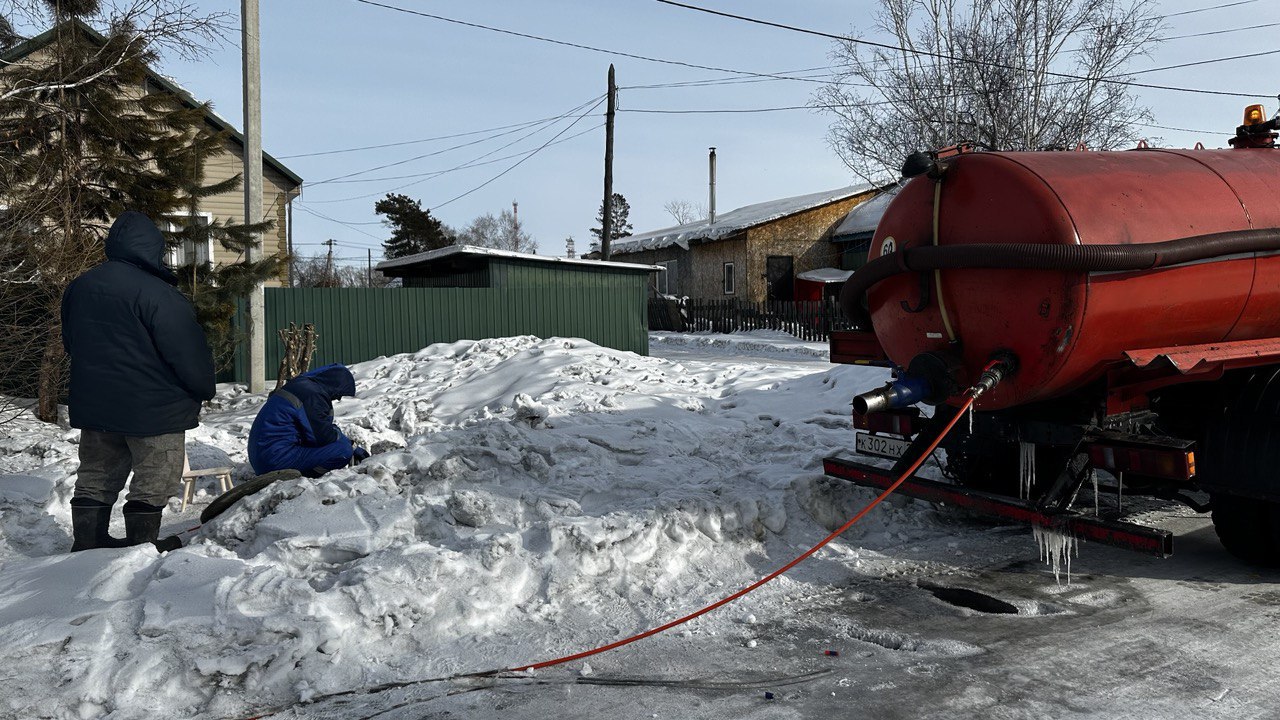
x,y
294,429
140,367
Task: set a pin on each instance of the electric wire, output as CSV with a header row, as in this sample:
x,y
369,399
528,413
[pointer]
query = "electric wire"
x,y
322,216
945,56
473,163
521,160
413,142
785,74
397,163
464,166
565,43
1215,7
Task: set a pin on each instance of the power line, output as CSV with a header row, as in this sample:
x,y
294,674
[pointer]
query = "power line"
x,y
1206,62
464,166
544,126
521,160
785,74
528,155
340,243
414,142
1215,7
565,43
716,111
944,56
384,166
322,216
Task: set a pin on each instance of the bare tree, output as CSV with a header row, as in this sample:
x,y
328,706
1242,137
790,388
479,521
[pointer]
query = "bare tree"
x,y
173,27
1010,75
685,211
503,232
320,271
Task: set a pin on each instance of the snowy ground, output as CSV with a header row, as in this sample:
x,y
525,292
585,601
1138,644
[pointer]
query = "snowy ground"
x,y
530,498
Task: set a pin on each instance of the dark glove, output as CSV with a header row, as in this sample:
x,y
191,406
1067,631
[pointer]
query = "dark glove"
x,y
359,455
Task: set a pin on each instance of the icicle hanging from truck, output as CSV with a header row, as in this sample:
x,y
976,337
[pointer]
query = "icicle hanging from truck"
x,y
1026,469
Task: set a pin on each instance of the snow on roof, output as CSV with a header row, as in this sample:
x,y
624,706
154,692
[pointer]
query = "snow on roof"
x,y
865,217
734,220
476,250
825,275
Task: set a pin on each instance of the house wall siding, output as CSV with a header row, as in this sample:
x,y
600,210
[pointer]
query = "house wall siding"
x,y
684,271
805,236
708,267
277,190
229,206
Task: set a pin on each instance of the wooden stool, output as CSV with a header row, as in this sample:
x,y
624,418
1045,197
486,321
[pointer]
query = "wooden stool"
x,y
189,479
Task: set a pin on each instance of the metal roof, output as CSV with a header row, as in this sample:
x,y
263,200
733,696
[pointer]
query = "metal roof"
x,y
863,219
733,221
476,251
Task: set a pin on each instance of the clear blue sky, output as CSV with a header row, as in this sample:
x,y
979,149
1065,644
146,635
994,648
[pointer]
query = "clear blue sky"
x,y
340,74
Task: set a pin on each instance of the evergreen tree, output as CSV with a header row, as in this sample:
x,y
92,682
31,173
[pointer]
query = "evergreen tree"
x,y
413,230
81,146
214,288
620,226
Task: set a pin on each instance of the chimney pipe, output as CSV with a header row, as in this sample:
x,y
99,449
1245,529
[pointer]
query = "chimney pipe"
x,y
711,203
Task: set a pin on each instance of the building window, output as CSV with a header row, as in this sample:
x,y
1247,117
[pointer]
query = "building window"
x,y
728,278
667,282
188,251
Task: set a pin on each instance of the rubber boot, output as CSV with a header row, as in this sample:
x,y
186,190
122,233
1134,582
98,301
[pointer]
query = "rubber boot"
x,y
142,525
89,521
141,522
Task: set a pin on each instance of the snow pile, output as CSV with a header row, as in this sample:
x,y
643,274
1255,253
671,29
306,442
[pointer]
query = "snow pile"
x,y
527,497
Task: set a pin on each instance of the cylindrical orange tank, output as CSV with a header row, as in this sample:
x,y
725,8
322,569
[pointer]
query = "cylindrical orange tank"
x,y
1066,328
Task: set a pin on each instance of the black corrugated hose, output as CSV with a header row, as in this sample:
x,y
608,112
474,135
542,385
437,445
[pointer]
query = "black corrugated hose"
x,y
1034,256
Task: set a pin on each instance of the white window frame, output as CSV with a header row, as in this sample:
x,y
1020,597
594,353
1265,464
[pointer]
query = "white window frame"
x,y
171,253
667,282
729,280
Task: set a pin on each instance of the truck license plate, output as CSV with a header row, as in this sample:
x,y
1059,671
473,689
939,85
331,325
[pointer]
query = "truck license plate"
x,y
880,445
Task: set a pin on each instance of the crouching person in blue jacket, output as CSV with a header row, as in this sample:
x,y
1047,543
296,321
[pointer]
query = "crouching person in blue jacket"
x,y
295,430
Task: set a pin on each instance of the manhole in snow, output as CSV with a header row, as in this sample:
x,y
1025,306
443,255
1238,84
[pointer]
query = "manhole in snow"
x,y
971,599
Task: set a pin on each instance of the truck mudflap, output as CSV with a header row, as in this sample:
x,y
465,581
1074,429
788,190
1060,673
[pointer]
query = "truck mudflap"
x,y
1130,536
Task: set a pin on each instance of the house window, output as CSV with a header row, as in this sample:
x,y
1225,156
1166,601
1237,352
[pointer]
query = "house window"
x,y
667,282
728,278
190,251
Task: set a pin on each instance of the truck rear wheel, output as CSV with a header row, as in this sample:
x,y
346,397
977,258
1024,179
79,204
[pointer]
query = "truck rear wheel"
x,y
1247,528
1240,449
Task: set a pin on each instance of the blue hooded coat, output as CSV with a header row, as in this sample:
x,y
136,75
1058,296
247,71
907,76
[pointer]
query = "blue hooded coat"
x,y
140,364
294,429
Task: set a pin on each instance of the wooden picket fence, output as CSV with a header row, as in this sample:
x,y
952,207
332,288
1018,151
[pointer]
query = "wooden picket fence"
x,y
810,320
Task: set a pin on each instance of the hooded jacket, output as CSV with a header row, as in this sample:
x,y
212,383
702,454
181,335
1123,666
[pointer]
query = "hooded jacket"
x,y
140,364
294,429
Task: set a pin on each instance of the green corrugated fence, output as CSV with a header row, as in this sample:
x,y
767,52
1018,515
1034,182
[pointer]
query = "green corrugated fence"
x,y
358,324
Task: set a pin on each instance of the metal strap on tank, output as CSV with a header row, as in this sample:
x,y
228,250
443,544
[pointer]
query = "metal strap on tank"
x,y
937,274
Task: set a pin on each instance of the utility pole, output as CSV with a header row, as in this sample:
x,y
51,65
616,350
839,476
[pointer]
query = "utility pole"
x,y
249,37
606,224
369,280
328,264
